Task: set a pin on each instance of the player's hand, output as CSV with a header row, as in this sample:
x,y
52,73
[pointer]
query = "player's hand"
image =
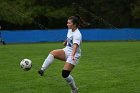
x,y
64,43
73,58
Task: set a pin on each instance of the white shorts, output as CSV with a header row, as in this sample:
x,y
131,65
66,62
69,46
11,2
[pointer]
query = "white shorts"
x,y
69,59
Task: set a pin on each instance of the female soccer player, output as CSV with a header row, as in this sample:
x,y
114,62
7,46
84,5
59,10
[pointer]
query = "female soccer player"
x,y
70,54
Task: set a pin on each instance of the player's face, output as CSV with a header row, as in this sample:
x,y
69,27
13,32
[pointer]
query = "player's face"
x,y
70,24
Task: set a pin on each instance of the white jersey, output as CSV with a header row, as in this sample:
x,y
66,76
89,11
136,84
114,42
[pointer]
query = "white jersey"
x,y
74,37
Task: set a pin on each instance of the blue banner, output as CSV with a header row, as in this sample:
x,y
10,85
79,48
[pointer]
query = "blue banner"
x,y
25,36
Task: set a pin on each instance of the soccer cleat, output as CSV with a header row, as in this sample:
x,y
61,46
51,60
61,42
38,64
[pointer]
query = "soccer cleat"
x,y
74,91
41,72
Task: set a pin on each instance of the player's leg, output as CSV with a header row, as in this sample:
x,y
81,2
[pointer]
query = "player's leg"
x,y
59,54
69,79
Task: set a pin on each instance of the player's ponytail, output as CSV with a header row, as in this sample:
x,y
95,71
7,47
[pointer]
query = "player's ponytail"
x,y
78,21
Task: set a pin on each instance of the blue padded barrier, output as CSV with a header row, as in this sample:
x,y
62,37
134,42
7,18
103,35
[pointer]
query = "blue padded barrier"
x,y
25,36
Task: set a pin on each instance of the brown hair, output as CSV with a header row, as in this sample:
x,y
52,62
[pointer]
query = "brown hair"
x,y
78,21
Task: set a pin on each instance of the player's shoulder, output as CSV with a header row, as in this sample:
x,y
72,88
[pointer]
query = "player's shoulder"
x,y
69,32
77,32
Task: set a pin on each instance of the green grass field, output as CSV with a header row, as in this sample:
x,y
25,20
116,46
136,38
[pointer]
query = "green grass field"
x,y
105,67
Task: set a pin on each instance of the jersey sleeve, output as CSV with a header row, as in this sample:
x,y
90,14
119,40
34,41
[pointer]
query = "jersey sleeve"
x,y
77,39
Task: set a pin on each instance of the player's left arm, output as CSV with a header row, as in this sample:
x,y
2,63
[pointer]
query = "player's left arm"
x,y
75,46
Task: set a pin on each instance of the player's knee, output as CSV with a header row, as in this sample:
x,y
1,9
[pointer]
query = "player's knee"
x,y
53,52
65,73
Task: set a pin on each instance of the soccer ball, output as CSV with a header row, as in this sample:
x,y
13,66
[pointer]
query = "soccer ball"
x,y
26,64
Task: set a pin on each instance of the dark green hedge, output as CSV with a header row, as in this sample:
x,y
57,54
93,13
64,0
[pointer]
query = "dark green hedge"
x,y
50,14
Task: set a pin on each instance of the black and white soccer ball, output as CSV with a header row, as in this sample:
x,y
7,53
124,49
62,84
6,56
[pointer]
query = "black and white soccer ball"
x,y
26,64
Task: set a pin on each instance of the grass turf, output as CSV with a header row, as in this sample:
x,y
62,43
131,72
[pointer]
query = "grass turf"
x,y
105,67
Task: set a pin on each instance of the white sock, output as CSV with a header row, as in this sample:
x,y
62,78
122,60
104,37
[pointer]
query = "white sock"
x,y
47,62
71,82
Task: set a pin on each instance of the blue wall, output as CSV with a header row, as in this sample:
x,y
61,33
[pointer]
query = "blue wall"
x,y
26,36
